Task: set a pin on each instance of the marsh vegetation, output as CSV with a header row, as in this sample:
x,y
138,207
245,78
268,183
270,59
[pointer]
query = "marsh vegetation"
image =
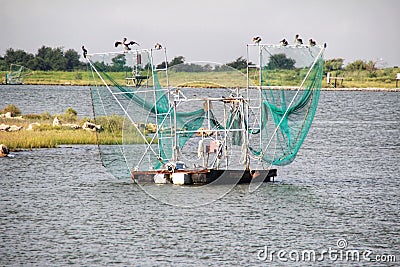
x,y
39,131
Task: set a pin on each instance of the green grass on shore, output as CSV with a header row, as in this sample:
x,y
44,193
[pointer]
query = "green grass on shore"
x,y
52,138
48,136
58,78
382,78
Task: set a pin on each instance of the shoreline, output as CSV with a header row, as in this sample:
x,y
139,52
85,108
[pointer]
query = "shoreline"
x,y
369,89
344,89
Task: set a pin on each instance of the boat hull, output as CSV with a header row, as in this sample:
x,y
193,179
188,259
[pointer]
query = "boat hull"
x,y
205,176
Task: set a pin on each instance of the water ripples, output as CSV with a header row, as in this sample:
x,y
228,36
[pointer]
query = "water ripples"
x,y
60,206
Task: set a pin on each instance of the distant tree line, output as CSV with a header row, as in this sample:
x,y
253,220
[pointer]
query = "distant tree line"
x,y
46,58
178,64
118,64
57,59
336,64
358,65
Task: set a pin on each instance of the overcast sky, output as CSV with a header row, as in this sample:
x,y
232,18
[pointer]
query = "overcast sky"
x,y
205,30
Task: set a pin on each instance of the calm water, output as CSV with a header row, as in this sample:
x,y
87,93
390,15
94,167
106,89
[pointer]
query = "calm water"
x,y
60,206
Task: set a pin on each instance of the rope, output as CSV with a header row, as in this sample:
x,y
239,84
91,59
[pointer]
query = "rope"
x,y
97,134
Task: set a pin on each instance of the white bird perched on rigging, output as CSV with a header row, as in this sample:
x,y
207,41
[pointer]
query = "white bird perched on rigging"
x,y
158,46
284,42
312,42
297,40
257,39
125,44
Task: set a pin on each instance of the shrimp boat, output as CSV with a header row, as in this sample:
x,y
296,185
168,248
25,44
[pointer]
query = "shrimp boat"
x,y
204,122
17,74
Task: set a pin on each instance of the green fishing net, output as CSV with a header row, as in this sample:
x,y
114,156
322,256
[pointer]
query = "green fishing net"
x,y
157,115
290,79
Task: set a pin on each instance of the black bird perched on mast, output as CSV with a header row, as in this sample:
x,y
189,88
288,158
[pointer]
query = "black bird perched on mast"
x,y
297,40
84,51
125,44
284,42
257,39
312,42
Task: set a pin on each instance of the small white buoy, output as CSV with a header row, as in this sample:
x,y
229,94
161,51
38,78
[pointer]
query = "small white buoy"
x,y
181,178
159,178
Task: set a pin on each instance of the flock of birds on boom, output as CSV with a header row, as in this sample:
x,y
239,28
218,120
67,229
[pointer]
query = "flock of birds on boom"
x,y
126,44
284,42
